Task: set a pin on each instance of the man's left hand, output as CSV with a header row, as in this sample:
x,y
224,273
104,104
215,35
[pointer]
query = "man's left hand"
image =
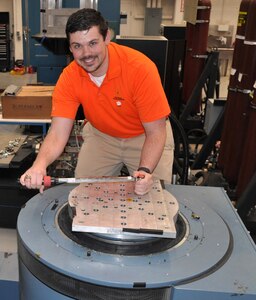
x,y
144,184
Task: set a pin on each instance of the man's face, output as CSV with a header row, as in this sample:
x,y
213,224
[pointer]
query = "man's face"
x,y
90,50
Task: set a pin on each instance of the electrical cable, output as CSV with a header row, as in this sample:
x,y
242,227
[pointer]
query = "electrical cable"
x,y
180,138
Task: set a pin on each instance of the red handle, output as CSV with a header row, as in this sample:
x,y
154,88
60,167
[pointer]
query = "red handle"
x,y
47,181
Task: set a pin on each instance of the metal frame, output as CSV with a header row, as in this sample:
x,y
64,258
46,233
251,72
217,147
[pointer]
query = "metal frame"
x,y
54,15
210,74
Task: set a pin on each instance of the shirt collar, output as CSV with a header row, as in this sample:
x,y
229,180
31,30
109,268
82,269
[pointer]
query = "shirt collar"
x,y
114,67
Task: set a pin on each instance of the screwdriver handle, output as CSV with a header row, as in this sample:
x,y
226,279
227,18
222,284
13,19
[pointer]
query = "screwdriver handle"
x,y
48,181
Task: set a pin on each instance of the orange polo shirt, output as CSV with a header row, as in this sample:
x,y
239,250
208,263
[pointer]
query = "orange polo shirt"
x,y
130,94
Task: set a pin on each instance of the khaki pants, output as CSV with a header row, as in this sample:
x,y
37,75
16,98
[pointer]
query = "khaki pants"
x,y
103,155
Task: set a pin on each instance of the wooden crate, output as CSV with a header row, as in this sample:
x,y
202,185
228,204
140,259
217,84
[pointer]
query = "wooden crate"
x,y
30,102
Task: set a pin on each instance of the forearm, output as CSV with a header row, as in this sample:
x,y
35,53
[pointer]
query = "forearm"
x,y
151,153
153,148
150,156
50,150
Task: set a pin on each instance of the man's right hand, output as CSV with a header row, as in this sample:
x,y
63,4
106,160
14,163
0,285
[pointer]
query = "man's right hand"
x,y
51,148
33,178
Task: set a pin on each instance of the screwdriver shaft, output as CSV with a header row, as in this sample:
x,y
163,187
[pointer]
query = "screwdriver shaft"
x,y
94,179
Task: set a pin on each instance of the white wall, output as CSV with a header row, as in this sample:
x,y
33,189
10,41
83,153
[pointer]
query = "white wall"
x,y
14,9
6,6
135,11
178,12
17,29
224,12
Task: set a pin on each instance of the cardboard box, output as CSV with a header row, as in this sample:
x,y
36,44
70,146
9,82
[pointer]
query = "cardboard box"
x,y
30,102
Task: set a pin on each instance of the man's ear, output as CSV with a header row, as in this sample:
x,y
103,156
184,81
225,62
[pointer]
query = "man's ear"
x,y
108,37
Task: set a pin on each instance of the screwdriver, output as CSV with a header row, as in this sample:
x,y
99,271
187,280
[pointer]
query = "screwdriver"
x,y
49,181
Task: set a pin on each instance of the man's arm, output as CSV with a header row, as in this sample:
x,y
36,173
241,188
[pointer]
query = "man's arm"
x,y
51,148
151,153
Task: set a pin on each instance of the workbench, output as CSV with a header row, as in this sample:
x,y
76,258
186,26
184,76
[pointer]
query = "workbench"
x,y
35,122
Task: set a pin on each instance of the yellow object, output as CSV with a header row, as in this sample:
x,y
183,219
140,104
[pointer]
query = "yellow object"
x,y
18,71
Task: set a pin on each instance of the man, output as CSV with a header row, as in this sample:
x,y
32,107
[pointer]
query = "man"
x,y
123,101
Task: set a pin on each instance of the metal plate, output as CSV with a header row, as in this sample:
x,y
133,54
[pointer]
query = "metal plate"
x,y
114,208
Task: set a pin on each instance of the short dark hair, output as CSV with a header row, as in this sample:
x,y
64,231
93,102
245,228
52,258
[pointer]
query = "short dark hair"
x,y
84,19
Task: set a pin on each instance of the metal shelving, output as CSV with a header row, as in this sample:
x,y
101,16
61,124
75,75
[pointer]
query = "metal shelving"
x,y
4,42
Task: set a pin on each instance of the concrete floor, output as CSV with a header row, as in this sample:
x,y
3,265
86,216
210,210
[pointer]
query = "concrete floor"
x,y
6,79
8,238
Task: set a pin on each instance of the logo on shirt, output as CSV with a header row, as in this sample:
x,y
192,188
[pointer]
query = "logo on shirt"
x,y
118,99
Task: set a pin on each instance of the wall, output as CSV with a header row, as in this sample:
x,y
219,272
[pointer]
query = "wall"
x,y
224,12
6,6
14,9
17,29
135,12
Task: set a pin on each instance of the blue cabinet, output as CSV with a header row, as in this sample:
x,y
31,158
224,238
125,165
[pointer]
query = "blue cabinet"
x,y
37,51
48,74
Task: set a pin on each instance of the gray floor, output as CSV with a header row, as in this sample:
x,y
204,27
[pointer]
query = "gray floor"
x,y
8,238
224,81
6,79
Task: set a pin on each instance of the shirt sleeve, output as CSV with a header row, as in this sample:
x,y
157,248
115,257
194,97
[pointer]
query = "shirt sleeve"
x,y
64,100
150,98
